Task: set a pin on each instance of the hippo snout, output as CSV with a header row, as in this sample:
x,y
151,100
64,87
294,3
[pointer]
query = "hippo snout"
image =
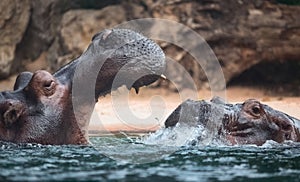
x,y
10,112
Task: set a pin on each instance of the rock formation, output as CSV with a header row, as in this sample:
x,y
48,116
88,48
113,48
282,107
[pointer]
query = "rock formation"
x,y
242,33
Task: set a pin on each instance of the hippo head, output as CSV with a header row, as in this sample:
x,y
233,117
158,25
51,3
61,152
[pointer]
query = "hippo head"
x,y
248,123
40,107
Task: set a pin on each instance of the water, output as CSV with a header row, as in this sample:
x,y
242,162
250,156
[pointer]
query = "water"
x,y
141,159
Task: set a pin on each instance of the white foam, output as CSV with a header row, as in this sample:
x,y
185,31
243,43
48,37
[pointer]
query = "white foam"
x,y
180,135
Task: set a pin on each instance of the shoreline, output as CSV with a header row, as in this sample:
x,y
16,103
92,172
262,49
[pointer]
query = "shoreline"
x,y
110,117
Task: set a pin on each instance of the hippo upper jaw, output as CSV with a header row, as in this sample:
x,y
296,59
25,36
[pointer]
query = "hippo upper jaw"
x,y
114,58
134,60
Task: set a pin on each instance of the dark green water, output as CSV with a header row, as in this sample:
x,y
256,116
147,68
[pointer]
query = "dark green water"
x,y
125,159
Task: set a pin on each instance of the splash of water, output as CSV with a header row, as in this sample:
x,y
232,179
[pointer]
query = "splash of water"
x,y
181,135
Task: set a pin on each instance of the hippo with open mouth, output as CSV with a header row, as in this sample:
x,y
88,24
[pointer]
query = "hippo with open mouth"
x,y
40,107
248,123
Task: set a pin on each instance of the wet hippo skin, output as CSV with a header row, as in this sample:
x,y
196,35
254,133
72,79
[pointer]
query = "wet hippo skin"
x,y
40,108
250,122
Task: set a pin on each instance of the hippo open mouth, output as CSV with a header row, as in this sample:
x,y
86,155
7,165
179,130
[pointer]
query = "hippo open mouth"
x,y
40,108
248,123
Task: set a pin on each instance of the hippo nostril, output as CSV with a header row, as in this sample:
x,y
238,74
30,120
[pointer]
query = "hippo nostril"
x,y
11,111
10,116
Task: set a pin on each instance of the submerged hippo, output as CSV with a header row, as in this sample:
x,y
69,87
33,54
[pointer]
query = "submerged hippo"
x,y
248,123
40,110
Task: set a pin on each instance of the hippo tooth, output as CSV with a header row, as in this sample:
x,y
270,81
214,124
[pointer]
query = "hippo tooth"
x,y
136,90
163,76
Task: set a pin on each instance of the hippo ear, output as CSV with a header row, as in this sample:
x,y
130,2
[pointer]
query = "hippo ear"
x,y
22,80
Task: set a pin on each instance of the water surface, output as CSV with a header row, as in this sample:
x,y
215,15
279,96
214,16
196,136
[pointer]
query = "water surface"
x,y
130,159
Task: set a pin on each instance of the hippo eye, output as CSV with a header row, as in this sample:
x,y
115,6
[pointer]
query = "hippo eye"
x,y
48,84
253,107
256,110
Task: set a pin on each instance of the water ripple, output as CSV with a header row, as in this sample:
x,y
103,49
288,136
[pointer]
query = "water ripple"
x,y
109,160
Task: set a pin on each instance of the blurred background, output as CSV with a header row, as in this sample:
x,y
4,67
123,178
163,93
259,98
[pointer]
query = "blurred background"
x,y
257,42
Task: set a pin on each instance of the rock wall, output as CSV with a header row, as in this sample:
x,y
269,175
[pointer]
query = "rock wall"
x,y
242,33
77,29
14,18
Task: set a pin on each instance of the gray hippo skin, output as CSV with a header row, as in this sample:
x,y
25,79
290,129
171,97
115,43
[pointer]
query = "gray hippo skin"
x,y
40,110
248,123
